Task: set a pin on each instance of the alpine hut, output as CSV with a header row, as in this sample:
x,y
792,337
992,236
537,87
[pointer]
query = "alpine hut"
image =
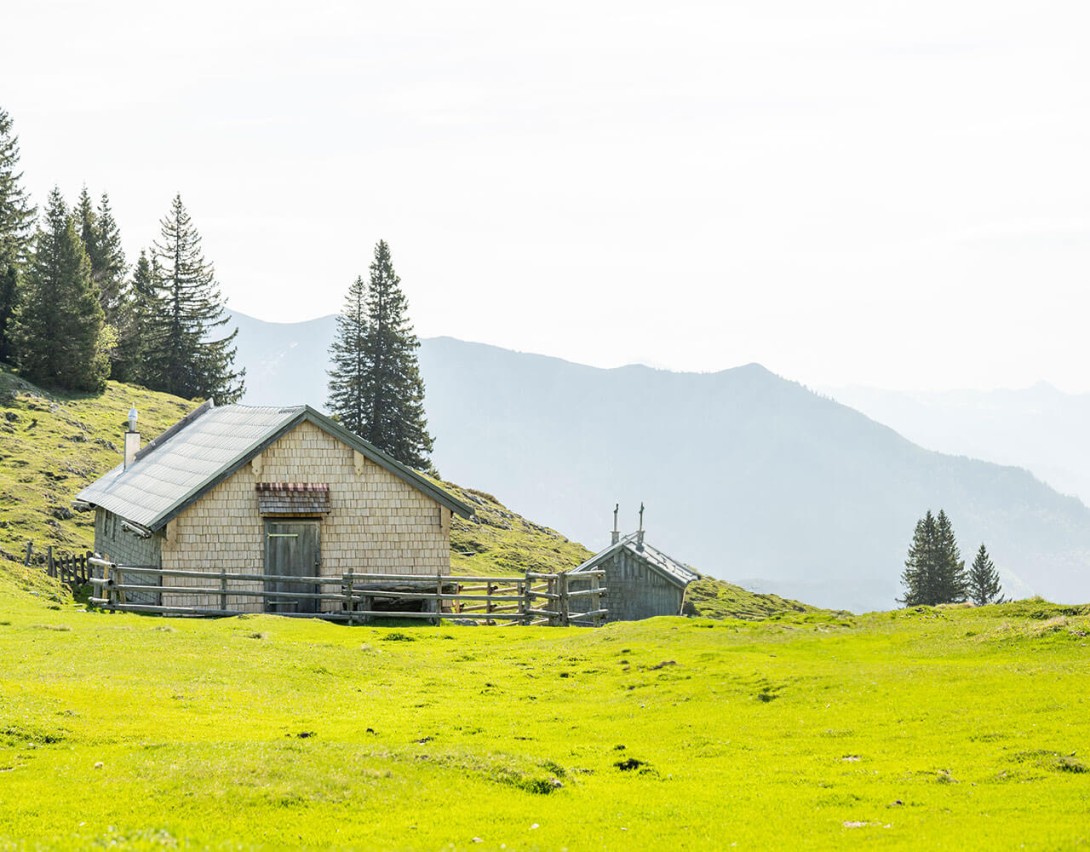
x,y
265,490
641,581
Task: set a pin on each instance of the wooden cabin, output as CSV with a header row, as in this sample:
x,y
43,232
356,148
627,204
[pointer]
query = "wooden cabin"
x,y
265,490
640,581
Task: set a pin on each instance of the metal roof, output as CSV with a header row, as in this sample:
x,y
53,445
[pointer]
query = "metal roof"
x,y
210,444
655,558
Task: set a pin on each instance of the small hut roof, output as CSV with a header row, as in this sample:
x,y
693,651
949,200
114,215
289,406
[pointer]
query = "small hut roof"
x,y
207,446
668,567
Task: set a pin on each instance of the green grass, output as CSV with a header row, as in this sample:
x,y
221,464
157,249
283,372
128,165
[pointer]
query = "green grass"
x,y
926,728
51,445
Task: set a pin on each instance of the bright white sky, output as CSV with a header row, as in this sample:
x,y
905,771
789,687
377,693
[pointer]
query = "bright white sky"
x,y
871,191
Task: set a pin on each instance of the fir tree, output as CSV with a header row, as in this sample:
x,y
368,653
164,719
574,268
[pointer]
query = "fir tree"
x,y
950,578
57,326
918,576
102,239
934,571
182,356
375,383
348,373
983,581
16,228
135,311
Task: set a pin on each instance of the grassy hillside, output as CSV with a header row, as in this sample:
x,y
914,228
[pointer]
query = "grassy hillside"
x,y
929,728
52,445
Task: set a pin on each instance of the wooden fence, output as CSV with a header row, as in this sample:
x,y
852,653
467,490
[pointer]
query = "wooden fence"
x,y
71,568
355,598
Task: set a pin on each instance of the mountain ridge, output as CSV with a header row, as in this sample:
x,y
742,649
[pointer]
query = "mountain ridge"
x,y
748,476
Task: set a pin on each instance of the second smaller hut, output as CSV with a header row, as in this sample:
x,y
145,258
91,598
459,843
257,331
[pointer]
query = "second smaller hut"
x,y
641,581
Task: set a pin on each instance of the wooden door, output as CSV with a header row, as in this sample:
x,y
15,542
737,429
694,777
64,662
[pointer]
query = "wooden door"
x,y
292,549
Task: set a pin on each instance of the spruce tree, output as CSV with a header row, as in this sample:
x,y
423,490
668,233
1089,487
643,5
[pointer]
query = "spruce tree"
x,y
951,582
375,384
983,581
16,229
57,327
102,239
934,571
183,357
918,577
347,375
134,313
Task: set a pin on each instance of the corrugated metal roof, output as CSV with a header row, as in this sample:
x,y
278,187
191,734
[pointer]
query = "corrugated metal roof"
x,y
670,568
182,464
209,445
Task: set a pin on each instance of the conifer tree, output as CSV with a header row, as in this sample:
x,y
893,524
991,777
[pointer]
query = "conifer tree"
x,y
375,383
16,228
918,576
102,239
934,571
57,327
135,311
983,581
347,375
950,578
183,357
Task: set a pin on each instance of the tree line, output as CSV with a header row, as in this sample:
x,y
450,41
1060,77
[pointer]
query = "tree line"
x,y
935,573
73,313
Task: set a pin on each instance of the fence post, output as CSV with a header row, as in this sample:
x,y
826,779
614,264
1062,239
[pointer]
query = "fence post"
x,y
223,589
564,604
29,550
595,599
439,595
347,581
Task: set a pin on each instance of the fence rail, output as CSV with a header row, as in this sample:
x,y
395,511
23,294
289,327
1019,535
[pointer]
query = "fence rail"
x,y
71,568
352,597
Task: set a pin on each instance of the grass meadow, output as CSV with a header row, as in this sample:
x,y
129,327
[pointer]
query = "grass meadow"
x,y
930,728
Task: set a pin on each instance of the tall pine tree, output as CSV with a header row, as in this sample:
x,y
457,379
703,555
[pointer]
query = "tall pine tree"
x,y
347,375
375,385
983,580
134,314
183,355
934,571
57,327
16,228
102,239
950,579
918,576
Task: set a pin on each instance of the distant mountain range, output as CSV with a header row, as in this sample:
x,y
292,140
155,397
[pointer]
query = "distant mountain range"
x,y
1041,428
745,475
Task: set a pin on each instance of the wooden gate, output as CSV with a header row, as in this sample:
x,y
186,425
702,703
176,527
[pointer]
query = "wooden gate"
x,y
292,549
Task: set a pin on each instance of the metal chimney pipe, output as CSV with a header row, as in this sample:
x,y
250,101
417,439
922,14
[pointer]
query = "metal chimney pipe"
x,y
132,438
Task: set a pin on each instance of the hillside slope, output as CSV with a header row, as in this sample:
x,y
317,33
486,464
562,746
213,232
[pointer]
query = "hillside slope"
x,y
1039,427
53,445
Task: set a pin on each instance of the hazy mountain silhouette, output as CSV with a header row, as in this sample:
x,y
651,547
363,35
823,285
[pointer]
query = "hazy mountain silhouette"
x,y
746,476
1040,427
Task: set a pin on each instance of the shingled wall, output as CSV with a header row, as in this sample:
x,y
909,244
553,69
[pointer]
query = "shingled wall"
x,y
377,522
